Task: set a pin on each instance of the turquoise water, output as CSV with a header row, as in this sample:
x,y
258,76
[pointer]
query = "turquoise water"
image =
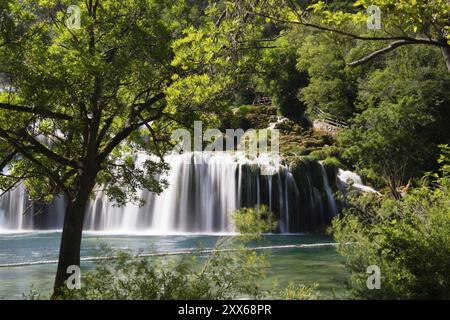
x,y
311,264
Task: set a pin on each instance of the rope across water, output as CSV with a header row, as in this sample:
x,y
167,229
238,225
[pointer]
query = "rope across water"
x,y
172,253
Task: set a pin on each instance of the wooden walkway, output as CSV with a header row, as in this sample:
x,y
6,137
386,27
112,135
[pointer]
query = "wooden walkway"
x,y
326,122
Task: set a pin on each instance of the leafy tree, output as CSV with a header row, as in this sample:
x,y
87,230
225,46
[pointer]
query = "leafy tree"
x,y
406,108
252,222
332,87
380,142
281,79
404,23
300,292
86,101
222,275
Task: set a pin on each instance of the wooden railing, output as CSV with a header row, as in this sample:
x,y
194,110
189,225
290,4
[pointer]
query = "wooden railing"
x,y
262,101
328,118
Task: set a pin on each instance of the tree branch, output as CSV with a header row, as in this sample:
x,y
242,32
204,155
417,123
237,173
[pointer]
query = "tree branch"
x,y
36,111
149,102
22,150
152,132
104,130
17,181
39,147
7,159
352,35
394,45
125,132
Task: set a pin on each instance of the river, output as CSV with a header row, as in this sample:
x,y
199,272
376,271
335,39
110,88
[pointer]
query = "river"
x,y
299,258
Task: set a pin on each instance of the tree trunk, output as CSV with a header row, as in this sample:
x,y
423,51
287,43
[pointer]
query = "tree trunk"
x,y
69,251
393,188
446,54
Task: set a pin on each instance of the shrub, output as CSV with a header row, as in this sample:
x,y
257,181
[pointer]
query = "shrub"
x,y
223,275
300,292
408,239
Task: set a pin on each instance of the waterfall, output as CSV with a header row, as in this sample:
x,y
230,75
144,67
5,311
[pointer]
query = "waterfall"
x,y
204,189
346,177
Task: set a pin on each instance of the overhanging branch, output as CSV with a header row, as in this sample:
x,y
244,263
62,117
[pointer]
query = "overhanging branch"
x,y
40,148
141,107
352,35
36,111
23,150
131,126
397,41
394,45
17,139
17,181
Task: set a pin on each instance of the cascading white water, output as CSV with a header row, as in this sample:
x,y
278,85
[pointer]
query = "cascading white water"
x,y
346,177
18,213
14,201
200,196
204,189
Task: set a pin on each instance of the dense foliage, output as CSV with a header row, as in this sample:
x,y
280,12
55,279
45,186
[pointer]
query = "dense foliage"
x,y
408,239
405,110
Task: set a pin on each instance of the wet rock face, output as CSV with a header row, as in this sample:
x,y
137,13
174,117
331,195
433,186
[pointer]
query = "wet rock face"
x,y
325,127
259,117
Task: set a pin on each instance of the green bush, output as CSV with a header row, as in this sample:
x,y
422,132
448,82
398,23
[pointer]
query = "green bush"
x,y
222,275
252,222
300,292
408,239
